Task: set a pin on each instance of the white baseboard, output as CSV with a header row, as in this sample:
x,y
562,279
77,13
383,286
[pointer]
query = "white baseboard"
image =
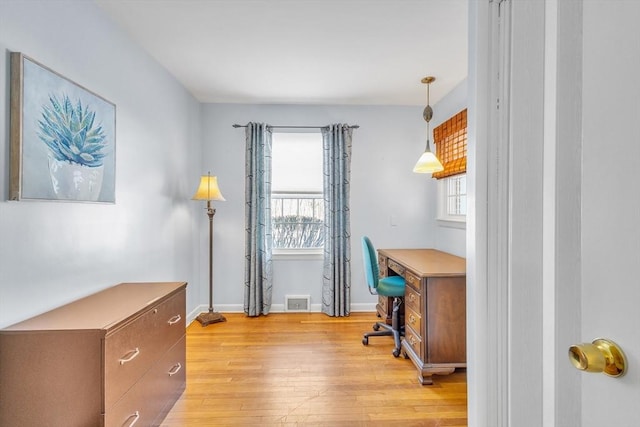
x,y
275,308
364,307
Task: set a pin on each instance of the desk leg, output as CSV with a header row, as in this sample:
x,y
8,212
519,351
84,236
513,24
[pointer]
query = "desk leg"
x,y
424,375
426,371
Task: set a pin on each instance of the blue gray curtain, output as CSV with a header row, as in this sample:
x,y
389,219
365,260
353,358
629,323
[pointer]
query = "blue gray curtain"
x,y
258,244
336,283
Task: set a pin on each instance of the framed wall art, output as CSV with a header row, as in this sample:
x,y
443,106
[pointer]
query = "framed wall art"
x,y
63,137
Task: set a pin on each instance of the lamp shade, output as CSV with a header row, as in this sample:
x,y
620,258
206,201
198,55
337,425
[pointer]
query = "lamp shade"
x,y
428,163
208,189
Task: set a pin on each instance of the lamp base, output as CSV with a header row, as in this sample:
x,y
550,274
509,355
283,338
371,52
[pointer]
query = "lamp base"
x,y
210,317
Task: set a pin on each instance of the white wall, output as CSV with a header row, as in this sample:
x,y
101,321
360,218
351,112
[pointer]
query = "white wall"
x,y
385,148
52,252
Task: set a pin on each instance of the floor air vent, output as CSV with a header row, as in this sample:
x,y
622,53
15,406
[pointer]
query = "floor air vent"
x,y
297,303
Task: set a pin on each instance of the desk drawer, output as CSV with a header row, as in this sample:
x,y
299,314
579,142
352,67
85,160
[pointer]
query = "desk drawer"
x,y
414,320
130,351
414,341
412,280
396,267
383,305
382,265
412,299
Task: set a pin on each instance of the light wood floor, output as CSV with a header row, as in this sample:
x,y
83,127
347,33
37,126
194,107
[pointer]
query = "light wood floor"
x,y
307,369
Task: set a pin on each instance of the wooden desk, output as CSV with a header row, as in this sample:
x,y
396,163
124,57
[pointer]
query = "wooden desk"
x,y
435,308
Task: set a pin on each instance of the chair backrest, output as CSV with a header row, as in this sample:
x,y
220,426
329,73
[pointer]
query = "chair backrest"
x,y
371,272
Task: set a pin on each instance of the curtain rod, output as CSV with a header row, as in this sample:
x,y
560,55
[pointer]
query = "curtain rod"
x,y
294,127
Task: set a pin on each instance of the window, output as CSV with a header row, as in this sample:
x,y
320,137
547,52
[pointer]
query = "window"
x,y
297,205
451,148
452,199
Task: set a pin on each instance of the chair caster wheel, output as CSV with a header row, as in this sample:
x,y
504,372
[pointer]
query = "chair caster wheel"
x,y
376,327
365,341
396,352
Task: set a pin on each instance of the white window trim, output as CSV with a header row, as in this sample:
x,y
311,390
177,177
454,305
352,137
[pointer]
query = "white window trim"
x,y
453,223
298,253
443,219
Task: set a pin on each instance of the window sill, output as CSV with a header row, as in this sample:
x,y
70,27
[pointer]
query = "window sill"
x,y
452,223
298,254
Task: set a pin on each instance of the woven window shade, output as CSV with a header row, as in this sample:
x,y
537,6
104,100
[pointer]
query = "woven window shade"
x,y
451,145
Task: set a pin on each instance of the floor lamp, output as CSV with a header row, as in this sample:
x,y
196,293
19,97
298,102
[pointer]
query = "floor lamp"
x,y
208,190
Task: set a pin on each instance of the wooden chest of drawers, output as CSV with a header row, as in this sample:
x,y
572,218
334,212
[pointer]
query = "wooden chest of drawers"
x,y
115,358
435,308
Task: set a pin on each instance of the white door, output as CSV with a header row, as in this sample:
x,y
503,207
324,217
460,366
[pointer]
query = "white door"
x,y
554,228
611,204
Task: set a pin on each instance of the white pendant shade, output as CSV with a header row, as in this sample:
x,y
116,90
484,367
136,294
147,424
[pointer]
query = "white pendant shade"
x,y
428,163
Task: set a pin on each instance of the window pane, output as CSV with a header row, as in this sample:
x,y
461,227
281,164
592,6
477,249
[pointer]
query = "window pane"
x,y
457,195
306,207
319,208
300,224
463,184
289,207
296,162
276,207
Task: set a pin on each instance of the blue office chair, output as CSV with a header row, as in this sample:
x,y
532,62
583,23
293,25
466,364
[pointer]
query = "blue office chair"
x,y
392,286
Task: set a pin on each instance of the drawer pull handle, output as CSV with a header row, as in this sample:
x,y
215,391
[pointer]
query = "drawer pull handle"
x,y
174,369
129,357
175,319
134,418
412,319
413,340
412,297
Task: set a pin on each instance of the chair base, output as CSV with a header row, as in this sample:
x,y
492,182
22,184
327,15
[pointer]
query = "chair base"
x,y
395,329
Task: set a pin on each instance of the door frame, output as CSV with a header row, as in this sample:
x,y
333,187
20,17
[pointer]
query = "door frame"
x,y
523,231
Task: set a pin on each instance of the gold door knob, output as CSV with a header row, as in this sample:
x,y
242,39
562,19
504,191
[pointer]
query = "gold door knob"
x,y
602,355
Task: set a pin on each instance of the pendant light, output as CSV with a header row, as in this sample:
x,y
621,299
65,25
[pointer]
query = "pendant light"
x,y
428,162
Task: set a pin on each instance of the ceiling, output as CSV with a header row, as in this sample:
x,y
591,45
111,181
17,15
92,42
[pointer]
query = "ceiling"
x,y
352,52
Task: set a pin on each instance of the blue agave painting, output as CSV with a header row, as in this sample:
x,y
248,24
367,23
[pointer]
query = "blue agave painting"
x,y
70,132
